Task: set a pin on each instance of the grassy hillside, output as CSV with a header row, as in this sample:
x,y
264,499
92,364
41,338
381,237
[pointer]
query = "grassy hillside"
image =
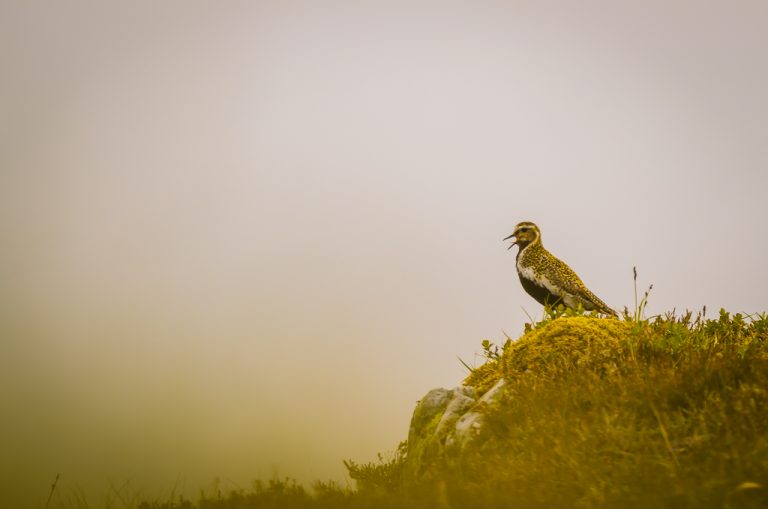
x,y
665,413
668,412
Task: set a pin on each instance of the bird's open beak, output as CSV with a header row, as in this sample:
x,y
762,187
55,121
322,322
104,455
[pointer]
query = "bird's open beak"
x,y
512,244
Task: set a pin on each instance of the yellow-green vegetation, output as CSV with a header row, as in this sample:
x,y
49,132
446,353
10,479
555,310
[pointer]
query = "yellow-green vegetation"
x,y
671,412
560,345
595,412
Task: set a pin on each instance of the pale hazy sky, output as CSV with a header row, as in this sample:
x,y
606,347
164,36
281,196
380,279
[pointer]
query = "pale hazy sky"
x,y
245,237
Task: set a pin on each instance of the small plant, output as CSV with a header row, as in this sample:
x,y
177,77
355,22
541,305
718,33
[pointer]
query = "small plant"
x,y
490,350
382,475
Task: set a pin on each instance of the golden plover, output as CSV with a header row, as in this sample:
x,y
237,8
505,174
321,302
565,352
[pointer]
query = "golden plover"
x,y
547,279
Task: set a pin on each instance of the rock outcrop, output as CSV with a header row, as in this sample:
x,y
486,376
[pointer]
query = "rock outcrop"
x,y
447,420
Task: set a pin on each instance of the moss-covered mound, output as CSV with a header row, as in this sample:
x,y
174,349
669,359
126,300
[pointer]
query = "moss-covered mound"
x,y
575,342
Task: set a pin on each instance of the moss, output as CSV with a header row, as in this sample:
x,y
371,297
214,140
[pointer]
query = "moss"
x,y
566,343
484,377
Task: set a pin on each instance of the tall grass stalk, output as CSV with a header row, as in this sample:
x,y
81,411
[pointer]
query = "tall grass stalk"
x,y
53,488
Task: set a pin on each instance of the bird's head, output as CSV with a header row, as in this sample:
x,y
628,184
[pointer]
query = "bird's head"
x,y
524,233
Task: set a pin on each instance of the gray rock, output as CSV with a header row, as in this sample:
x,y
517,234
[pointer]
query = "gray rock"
x,y
469,424
444,419
431,405
463,399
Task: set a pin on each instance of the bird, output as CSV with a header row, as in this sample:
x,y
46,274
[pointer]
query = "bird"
x,y
546,278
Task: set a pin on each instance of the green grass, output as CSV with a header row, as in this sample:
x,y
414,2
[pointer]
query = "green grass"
x,y
664,412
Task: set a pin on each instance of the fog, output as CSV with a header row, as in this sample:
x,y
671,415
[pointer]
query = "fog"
x,y
242,239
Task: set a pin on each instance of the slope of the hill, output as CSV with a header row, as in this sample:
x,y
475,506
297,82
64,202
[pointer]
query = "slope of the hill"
x,y
579,411
592,412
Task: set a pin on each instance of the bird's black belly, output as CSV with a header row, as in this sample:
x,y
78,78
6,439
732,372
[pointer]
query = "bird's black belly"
x,y
541,294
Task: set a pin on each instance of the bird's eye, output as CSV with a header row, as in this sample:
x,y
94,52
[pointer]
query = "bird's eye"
x,y
524,229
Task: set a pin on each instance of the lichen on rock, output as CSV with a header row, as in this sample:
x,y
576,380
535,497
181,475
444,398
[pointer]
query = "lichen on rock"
x,y
445,421
433,421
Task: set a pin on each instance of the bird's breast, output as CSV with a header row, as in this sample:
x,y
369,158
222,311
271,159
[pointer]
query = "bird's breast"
x,y
541,281
526,272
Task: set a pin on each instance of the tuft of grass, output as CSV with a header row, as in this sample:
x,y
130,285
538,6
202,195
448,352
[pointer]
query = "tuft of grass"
x,y
384,475
639,313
